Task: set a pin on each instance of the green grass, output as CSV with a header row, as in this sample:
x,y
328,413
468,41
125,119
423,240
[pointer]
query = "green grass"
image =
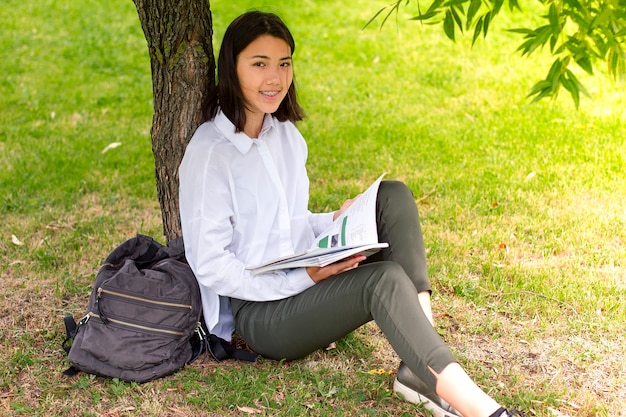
x,y
523,208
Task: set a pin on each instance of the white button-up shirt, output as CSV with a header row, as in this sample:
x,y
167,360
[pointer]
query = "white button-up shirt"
x,y
242,202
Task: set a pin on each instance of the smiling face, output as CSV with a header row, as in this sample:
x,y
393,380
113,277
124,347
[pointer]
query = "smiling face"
x,y
265,74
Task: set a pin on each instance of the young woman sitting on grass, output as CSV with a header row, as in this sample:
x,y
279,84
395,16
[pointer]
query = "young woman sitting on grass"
x,y
244,200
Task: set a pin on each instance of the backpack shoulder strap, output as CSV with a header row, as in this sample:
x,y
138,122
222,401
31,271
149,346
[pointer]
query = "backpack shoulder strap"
x,y
220,349
141,249
70,331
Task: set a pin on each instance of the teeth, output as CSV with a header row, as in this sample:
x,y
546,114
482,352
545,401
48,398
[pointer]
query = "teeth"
x,y
270,93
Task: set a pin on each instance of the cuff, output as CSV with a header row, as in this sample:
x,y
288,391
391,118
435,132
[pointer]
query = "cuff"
x,y
299,279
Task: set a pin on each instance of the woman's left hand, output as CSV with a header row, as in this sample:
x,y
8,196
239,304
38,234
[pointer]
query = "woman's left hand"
x,y
318,274
345,206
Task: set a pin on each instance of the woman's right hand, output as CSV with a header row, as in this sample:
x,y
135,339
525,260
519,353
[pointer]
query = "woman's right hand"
x,y
319,274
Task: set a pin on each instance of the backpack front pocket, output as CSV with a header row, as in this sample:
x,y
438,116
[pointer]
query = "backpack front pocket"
x,y
135,310
129,345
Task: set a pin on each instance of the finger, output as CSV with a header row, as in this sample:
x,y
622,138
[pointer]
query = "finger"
x,y
350,263
351,267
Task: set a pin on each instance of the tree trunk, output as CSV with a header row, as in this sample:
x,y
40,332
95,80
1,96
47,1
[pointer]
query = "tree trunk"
x,y
179,35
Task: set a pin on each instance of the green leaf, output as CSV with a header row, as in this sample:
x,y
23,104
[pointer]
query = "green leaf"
x,y
585,63
386,17
513,4
559,73
571,86
471,11
613,61
374,17
555,70
486,22
457,18
543,34
540,90
553,16
534,39
425,16
452,3
497,5
395,7
561,49
570,76
540,86
574,4
477,30
578,18
448,25
527,47
434,6
553,41
523,31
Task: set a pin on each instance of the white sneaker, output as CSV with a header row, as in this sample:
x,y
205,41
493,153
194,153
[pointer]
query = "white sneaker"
x,y
411,388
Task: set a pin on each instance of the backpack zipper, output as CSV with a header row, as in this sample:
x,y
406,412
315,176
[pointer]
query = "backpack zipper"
x,y
136,326
105,319
151,266
144,300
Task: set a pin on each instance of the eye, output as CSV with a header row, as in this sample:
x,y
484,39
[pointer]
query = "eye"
x,y
285,64
258,64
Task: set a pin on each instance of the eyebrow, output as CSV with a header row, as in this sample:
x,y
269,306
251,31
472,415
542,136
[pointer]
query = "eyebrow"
x,y
287,58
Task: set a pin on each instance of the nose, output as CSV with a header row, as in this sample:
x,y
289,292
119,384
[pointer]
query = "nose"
x,y
273,77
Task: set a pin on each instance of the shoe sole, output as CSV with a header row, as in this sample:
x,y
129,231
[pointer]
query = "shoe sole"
x,y
414,397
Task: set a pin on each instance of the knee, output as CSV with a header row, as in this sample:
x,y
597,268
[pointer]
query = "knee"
x,y
391,277
393,190
395,200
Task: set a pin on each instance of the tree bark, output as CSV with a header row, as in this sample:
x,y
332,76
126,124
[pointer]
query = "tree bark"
x,y
179,35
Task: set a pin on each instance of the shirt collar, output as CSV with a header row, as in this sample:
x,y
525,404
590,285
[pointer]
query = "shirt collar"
x,y
240,140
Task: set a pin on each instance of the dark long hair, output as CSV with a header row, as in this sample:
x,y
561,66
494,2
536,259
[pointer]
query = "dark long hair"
x,y
227,95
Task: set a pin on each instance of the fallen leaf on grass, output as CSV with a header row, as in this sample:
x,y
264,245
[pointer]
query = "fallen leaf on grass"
x,y
16,241
557,413
380,371
116,411
249,410
110,146
178,411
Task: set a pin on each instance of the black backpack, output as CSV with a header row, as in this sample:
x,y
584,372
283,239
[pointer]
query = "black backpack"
x,y
144,316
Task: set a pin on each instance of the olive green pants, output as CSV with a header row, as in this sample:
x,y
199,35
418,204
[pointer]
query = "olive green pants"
x,y
384,289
